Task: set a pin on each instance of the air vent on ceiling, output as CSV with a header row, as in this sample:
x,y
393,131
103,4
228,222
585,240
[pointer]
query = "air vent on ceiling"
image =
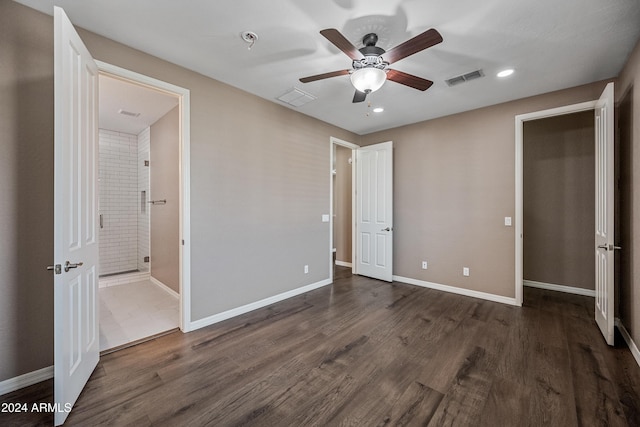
x,y
296,97
465,77
128,113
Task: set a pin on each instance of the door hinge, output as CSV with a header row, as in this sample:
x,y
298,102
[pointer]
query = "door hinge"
x,y
57,269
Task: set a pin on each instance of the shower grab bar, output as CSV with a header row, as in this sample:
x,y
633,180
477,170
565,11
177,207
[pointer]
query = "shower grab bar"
x,y
158,202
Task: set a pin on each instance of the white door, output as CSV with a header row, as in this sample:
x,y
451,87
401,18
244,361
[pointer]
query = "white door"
x,y
374,206
76,326
604,213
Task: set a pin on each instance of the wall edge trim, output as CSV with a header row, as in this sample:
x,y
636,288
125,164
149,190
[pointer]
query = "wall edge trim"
x,y
560,288
456,290
210,320
635,352
25,380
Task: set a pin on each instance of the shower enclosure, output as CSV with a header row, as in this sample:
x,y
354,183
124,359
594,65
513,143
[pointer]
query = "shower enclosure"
x,y
124,212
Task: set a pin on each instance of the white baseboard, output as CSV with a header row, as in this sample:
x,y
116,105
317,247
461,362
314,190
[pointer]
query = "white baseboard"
x,y
344,264
197,324
25,380
627,337
559,288
164,287
456,290
123,279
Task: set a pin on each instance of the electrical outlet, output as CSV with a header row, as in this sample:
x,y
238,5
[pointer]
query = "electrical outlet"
x,y
306,269
424,265
465,271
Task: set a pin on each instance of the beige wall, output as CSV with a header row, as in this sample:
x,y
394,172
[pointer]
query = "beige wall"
x,y
26,184
342,204
165,184
628,95
559,196
453,186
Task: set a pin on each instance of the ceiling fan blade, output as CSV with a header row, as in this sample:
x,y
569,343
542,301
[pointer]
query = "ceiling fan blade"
x,y
420,42
340,41
409,80
324,76
359,96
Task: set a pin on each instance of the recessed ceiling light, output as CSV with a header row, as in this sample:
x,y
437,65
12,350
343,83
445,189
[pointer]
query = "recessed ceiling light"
x,y
505,73
378,110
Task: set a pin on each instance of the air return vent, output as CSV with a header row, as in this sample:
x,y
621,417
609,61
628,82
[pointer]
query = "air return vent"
x,y
465,77
128,113
296,97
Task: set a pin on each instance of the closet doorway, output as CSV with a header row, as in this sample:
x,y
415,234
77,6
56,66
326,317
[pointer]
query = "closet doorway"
x,y
558,200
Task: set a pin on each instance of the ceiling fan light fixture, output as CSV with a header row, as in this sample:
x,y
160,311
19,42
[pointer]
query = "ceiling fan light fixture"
x,y
369,79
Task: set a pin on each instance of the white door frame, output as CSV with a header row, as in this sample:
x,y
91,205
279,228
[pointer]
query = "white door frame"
x,y
333,142
183,96
520,119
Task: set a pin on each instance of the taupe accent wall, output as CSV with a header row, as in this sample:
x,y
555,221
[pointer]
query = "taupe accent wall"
x,y
559,200
165,184
26,188
454,183
342,204
628,97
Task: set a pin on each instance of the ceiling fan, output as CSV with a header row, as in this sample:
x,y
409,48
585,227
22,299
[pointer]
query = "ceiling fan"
x,y
370,63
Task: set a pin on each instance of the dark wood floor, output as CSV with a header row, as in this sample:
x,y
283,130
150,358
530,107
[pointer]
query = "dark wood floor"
x,y
368,353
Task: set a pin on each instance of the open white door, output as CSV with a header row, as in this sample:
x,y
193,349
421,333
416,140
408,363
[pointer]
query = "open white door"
x,y
76,325
374,201
604,214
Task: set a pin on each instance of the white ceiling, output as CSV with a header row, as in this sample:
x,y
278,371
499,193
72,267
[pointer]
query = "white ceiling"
x,y
552,44
116,95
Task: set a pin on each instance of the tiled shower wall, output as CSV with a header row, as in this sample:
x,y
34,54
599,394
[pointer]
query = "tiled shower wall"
x,y
124,236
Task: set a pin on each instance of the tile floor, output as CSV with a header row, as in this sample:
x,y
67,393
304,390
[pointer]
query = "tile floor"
x,y
132,311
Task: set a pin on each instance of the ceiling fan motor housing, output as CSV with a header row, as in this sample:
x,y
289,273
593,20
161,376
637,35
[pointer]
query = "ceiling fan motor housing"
x,y
372,54
370,61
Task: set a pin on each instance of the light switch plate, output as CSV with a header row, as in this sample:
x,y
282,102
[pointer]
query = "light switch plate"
x,y
507,221
325,218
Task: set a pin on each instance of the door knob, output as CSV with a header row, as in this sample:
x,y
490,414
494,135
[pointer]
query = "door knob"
x,y
387,229
68,265
605,247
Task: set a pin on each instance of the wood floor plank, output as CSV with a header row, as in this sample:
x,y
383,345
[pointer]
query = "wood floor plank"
x,y
464,401
368,353
505,400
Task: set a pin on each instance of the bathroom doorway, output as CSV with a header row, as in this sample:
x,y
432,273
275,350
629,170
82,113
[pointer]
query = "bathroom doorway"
x,y
138,212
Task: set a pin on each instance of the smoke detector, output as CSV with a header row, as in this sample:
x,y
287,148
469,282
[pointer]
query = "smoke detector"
x,y
249,37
